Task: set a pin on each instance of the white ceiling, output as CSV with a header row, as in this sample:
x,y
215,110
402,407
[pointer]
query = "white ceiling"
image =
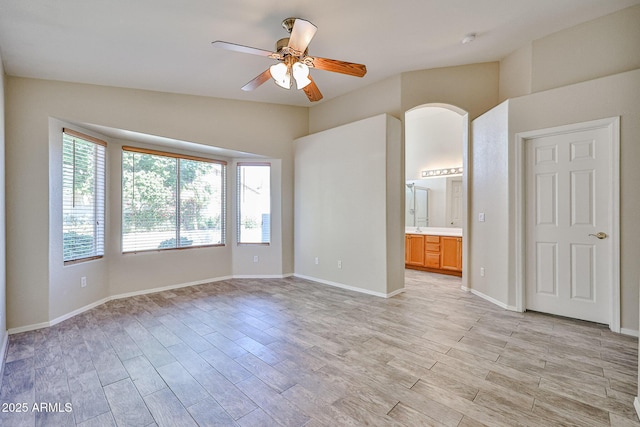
x,y
164,45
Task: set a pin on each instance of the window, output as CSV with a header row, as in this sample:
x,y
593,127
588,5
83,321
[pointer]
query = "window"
x,y
171,201
254,203
83,188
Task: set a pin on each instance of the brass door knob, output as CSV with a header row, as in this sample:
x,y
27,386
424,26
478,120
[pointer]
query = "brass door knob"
x,y
600,235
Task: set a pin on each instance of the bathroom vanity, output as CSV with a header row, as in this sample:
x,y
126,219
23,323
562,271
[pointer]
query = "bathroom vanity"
x,y
434,249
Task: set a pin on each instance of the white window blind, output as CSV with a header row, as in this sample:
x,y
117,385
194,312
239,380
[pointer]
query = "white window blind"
x,y
254,203
83,196
171,201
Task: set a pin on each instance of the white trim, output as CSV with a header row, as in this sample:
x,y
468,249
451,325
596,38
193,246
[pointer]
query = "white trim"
x,y
111,298
493,300
613,124
394,293
261,276
76,312
349,288
636,405
28,328
168,288
630,332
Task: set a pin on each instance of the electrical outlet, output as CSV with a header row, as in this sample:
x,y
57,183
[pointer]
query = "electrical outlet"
x,y
83,282
339,263
481,271
256,258
317,261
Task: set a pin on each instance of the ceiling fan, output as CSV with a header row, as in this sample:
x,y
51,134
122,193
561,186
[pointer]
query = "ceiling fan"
x,y
293,60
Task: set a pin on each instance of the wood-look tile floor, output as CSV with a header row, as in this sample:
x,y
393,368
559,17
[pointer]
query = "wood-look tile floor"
x,y
291,352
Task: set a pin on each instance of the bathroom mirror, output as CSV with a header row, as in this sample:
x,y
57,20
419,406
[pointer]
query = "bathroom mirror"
x,y
441,197
417,206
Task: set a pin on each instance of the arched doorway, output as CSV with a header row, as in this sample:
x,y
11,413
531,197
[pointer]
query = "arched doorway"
x,y
436,157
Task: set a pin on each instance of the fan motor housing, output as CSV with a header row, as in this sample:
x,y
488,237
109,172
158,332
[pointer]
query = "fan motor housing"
x,y
282,46
282,43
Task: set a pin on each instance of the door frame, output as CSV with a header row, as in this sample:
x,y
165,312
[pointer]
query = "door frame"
x,y
466,220
612,124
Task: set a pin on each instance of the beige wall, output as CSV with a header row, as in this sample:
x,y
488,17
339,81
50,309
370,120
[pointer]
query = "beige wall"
x,y
348,209
242,126
473,88
377,98
3,270
515,73
594,49
489,195
597,48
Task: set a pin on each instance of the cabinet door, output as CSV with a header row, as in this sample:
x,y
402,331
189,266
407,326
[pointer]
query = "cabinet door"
x,y
414,247
432,259
451,253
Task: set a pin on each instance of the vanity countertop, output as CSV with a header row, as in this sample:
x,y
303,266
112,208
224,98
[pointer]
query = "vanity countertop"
x,y
435,231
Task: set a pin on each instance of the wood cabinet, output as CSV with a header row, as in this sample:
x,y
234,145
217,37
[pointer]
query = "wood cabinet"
x,y
451,253
438,254
414,249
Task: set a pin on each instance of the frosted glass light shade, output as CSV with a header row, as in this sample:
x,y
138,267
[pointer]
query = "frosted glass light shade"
x,y
301,75
281,75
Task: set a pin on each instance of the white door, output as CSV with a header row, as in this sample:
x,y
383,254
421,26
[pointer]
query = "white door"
x,y
454,202
421,209
568,222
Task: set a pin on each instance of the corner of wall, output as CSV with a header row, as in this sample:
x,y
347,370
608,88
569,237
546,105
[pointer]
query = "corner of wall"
x,y
395,207
515,73
4,337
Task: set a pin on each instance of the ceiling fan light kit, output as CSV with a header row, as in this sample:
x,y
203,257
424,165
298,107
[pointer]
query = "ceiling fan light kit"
x,y
294,61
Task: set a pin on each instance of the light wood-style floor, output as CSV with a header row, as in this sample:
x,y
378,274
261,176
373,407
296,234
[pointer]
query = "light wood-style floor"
x,y
291,352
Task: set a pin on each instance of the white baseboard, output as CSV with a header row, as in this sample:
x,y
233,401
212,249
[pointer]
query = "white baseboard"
x,y
394,293
27,328
493,300
111,298
636,405
261,276
630,332
167,288
349,288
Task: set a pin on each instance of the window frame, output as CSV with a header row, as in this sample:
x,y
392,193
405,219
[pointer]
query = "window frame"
x,y
223,186
98,142
238,211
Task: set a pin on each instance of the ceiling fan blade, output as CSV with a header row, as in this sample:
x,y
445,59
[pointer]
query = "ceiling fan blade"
x,y
358,70
301,35
245,49
312,91
261,78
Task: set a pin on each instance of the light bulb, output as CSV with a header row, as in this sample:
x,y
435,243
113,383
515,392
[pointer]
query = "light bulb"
x,y
281,75
301,74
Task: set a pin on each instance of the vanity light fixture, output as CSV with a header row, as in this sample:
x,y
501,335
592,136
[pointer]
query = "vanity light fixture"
x,y
442,172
